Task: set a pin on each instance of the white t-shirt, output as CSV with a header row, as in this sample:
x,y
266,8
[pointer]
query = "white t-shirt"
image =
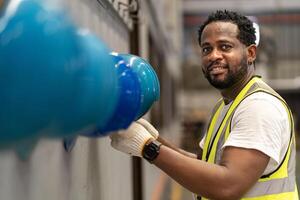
x,y
260,122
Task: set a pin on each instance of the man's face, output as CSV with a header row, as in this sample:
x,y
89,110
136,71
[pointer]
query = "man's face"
x,y
224,57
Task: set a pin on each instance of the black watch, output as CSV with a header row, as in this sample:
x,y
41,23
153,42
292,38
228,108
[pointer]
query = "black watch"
x,y
151,150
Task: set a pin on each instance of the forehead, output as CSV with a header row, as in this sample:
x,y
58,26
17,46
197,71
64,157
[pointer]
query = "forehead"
x,y
219,31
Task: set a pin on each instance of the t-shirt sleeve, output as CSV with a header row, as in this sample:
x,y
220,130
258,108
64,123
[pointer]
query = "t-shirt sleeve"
x,y
202,141
259,123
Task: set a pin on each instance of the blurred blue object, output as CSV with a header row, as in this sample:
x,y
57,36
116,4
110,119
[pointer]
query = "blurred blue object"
x,y
69,143
54,81
60,82
128,101
38,48
93,96
149,82
139,89
25,148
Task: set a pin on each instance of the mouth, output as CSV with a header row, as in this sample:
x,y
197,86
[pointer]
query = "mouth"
x,y
217,69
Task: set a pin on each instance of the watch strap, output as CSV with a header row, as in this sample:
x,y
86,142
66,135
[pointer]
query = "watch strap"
x,y
151,150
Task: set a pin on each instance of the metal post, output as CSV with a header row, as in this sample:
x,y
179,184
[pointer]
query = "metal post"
x,y
136,162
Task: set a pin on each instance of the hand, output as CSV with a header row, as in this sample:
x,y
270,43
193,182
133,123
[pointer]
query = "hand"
x,y
131,140
148,127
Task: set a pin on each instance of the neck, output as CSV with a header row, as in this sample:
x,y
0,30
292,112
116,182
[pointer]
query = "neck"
x,y
230,93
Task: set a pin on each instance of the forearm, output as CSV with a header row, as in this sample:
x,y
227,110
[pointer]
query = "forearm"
x,y
172,146
236,172
208,180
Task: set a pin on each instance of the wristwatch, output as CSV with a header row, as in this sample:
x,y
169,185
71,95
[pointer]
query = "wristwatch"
x,y
151,150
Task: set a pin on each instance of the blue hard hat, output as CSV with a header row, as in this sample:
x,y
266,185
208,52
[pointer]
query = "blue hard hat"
x,y
94,93
128,101
35,46
38,47
149,83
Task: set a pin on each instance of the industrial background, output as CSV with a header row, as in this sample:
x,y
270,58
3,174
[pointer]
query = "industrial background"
x,y
164,32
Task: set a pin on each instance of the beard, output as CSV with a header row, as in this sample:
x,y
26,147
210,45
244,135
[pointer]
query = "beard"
x,y
231,77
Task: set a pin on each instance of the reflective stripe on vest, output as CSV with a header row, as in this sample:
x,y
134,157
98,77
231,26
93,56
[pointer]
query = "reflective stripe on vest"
x,y
279,184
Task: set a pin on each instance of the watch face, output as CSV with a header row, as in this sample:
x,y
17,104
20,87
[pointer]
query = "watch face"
x,y
151,150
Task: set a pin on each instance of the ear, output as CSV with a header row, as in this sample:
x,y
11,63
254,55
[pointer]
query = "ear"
x,y
251,53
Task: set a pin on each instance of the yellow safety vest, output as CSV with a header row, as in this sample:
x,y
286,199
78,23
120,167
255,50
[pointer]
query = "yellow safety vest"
x,y
277,185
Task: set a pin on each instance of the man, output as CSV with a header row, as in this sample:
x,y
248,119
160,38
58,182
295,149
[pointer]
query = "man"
x,y
249,146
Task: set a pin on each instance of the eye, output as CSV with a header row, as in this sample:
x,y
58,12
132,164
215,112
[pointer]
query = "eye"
x,y
206,50
226,47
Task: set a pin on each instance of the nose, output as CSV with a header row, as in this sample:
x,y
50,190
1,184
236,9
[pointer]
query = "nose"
x,y
215,55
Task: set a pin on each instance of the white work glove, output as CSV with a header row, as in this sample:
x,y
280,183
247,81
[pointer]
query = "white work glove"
x,y
131,140
148,127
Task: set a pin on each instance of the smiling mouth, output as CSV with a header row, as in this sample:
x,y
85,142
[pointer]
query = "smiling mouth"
x,y
214,70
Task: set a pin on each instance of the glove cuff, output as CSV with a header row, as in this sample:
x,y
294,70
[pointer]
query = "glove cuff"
x,y
139,143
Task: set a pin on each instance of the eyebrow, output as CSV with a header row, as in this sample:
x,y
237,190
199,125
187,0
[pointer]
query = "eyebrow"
x,y
204,44
219,41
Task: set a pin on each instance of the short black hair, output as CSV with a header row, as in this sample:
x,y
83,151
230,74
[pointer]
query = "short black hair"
x,y
246,33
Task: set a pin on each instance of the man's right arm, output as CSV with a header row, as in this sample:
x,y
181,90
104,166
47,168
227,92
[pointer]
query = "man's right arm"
x,y
172,146
238,171
156,135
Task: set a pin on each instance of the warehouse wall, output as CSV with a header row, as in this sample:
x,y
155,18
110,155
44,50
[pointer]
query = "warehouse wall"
x,y
92,170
